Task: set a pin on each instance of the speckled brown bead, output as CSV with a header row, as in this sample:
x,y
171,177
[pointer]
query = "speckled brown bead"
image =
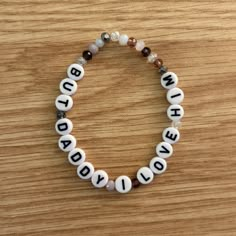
x,y
158,63
132,42
135,183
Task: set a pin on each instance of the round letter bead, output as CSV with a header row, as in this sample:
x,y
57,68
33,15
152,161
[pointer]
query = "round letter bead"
x,y
75,72
76,156
164,150
158,165
67,142
64,102
99,179
123,39
171,135
140,45
123,184
175,112
64,126
85,170
100,43
175,96
68,87
145,175
169,80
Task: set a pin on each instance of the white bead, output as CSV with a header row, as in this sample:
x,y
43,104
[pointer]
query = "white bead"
x,y
140,45
68,87
175,112
169,80
67,142
81,61
76,156
176,124
100,179
115,36
93,48
99,42
123,39
64,102
63,126
75,71
123,184
171,135
152,57
145,175
175,96
85,170
158,165
164,150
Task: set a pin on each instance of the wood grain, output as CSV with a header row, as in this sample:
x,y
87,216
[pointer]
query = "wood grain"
x,y
118,116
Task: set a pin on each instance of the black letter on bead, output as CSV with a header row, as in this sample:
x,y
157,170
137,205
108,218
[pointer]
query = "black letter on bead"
x,y
165,150
176,95
171,136
158,165
146,179
169,80
62,127
123,184
85,171
66,103
66,87
65,143
77,154
175,110
100,178
75,72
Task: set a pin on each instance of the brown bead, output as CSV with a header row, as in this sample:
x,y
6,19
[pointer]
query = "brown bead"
x,y
158,63
132,42
135,183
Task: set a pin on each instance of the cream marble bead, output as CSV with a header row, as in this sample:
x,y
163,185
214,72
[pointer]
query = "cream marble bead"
x,y
115,36
169,80
85,170
67,142
75,71
123,184
63,126
140,45
99,42
145,175
64,102
164,150
171,135
110,185
175,96
152,57
68,86
99,179
158,165
175,112
76,156
123,39
93,48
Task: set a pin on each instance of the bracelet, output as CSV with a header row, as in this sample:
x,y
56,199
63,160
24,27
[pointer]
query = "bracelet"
x,y
64,126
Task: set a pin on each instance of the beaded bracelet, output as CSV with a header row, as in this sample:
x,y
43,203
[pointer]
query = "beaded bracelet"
x,y
64,126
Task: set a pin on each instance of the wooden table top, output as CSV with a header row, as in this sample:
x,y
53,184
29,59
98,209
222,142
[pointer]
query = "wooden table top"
x,y
118,115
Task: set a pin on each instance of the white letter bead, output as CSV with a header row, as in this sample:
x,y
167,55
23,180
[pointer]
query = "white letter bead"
x,y
145,175
175,96
175,112
123,39
169,80
85,170
158,165
67,142
75,72
171,135
68,86
63,126
123,184
164,150
76,156
99,179
64,102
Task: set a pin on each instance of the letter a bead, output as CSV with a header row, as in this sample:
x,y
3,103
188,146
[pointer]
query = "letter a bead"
x,y
75,72
67,142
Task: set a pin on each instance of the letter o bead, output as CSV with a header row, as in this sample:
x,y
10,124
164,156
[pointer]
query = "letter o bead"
x,y
85,170
76,156
63,126
171,135
123,184
100,179
169,80
158,165
145,175
67,142
68,86
164,150
64,102
75,72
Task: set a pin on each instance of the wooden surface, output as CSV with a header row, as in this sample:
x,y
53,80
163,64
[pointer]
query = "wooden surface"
x,y
118,116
